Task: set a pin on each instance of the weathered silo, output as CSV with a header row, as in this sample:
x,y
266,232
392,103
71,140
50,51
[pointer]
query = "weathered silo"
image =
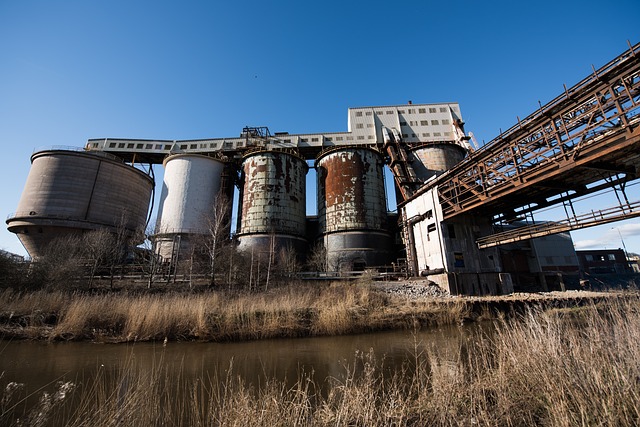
x,y
191,187
433,159
272,213
352,208
71,192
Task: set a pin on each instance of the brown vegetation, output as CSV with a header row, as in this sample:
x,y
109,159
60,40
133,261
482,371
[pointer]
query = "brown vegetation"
x,y
303,309
553,368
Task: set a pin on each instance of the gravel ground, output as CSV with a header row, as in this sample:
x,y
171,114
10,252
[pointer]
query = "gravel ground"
x,y
413,289
423,288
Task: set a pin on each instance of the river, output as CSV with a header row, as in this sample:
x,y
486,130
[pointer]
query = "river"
x,y
40,365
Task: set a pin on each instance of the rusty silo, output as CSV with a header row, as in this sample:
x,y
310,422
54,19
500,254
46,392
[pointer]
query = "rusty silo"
x,y
191,186
71,192
352,208
272,210
434,158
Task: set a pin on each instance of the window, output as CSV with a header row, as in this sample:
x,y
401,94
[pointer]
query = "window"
x,y
422,110
588,257
389,112
226,145
349,138
431,227
184,146
193,146
432,110
611,257
445,121
314,139
121,145
328,139
434,122
148,146
403,123
369,125
368,113
358,113
338,138
370,137
360,137
212,145
413,135
436,134
304,139
359,126
411,110
404,135
401,111
426,134
112,145
443,109
424,122
451,229
158,147
379,113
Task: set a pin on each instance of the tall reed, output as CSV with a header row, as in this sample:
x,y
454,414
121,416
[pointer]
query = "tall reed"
x,y
556,368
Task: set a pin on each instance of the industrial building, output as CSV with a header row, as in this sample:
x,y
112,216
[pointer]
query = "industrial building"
x,y
454,200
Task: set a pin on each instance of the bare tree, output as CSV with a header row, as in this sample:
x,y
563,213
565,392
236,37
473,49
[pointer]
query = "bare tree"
x,y
317,260
218,224
61,264
98,248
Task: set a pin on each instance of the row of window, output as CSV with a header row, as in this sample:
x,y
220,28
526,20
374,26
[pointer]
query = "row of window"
x,y
409,111
229,144
167,147
411,123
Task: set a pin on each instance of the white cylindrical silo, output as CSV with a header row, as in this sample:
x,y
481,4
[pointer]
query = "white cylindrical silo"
x,y
191,185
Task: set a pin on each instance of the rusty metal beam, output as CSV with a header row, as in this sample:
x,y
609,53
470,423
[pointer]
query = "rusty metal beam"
x,y
592,127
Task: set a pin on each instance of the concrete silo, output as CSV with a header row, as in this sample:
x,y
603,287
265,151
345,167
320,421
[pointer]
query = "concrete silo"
x,y
352,208
71,192
434,158
273,201
191,186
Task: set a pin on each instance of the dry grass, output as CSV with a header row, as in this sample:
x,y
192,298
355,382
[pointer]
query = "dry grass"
x,y
290,311
558,368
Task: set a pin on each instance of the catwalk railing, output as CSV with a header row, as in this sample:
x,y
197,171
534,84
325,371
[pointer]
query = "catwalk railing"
x,y
572,130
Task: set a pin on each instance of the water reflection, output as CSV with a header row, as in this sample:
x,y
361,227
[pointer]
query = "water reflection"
x,y
39,365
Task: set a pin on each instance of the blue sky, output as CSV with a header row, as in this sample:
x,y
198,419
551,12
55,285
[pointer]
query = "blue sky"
x,y
74,70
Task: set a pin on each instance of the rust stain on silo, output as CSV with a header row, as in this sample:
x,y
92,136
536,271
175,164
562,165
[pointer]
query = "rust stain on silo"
x,y
351,184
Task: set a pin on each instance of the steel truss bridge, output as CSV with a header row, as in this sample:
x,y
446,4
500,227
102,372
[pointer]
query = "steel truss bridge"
x,y
584,141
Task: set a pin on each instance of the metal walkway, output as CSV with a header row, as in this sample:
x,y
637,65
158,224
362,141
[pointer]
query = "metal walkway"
x,y
585,140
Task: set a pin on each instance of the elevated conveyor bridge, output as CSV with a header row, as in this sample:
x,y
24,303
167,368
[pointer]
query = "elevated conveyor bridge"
x,y
584,141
